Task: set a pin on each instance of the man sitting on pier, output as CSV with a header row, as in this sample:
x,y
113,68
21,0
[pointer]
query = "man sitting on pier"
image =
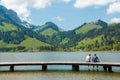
x,y
95,59
88,58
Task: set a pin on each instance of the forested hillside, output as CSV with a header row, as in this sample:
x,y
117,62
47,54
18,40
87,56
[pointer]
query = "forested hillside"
x,y
103,39
14,34
17,35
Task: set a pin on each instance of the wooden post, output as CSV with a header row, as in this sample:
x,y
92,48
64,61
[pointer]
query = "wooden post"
x,y
110,69
105,68
75,67
44,67
12,68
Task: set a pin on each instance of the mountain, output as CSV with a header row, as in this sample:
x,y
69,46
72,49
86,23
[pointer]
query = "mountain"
x,y
36,46
73,37
99,39
10,16
86,27
101,23
18,35
92,36
48,29
13,33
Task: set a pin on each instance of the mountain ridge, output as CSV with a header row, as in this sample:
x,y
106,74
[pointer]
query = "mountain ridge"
x,y
49,28
86,27
16,35
10,16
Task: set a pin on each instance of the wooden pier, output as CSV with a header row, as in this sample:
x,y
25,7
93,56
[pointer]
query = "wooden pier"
x,y
107,66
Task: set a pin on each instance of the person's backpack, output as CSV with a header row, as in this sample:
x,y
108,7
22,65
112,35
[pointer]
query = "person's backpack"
x,y
95,59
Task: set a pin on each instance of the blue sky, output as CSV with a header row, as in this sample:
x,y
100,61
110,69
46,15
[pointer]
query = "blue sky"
x,y
67,14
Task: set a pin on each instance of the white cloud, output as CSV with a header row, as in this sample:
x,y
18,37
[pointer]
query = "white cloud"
x,y
66,1
87,3
58,18
115,20
40,3
22,7
114,5
114,8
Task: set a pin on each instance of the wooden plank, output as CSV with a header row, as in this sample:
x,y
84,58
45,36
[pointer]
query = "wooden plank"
x,y
59,63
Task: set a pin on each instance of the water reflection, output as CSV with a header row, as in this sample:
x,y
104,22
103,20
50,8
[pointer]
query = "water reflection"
x,y
58,75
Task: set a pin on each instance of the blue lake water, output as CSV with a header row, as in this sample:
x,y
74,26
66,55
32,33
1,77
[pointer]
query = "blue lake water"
x,y
57,72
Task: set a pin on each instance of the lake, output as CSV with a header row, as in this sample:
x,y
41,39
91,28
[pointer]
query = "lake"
x,y
57,72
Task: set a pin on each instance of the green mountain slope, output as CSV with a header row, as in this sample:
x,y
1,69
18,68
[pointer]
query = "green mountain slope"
x,y
21,39
48,32
5,47
34,44
86,27
13,33
89,43
48,29
8,27
103,39
10,33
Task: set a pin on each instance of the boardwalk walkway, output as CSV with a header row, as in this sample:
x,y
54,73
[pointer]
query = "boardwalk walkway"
x,y
107,66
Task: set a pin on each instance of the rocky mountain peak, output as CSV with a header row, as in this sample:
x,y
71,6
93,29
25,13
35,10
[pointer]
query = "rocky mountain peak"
x,y
10,16
100,22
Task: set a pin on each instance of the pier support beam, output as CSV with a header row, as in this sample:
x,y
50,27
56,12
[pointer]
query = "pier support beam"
x,y
107,68
110,69
12,68
75,67
44,67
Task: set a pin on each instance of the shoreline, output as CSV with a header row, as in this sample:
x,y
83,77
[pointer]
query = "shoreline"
x,y
56,51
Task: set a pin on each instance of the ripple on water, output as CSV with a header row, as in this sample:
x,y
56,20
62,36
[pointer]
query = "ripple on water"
x,y
59,75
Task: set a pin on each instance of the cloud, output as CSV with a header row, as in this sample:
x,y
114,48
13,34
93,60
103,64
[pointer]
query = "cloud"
x,y
66,1
58,18
22,7
40,3
115,20
114,8
95,3
113,5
